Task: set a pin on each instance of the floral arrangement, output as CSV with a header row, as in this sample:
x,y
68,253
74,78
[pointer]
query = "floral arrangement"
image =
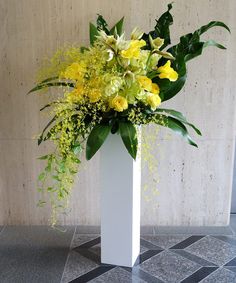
x,y
112,86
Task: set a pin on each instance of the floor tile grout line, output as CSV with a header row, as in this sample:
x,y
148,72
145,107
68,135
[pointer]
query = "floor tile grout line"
x,y
67,258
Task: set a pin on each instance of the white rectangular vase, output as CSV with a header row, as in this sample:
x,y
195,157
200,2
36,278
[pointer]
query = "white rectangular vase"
x,y
120,204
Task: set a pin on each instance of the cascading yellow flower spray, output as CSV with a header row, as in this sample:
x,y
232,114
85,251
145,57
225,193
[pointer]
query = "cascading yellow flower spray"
x,y
112,86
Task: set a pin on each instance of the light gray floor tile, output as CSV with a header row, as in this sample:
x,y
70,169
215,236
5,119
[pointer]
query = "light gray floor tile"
x,y
117,275
165,241
76,266
213,250
194,258
221,275
33,254
80,239
169,267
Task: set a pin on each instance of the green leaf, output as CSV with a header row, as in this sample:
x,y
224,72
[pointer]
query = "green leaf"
x,y
96,138
118,27
161,29
176,126
129,136
211,25
40,139
44,157
46,85
49,80
93,32
179,116
102,24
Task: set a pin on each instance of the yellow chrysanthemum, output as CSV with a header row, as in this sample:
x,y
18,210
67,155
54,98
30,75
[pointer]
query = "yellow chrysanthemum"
x,y
119,103
153,100
145,83
134,49
94,95
167,72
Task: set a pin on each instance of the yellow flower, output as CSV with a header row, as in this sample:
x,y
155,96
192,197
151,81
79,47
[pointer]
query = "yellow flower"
x,y
75,95
119,103
145,82
134,49
153,100
94,95
166,72
156,43
155,89
74,72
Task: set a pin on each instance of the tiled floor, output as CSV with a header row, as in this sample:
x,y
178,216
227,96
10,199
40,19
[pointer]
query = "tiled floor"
x,y
41,255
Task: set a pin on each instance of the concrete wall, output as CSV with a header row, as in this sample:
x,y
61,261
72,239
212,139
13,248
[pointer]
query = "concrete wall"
x,y
194,185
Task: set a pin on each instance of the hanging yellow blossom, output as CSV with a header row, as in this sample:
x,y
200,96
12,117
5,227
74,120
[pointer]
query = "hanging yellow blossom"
x,y
167,72
119,103
134,49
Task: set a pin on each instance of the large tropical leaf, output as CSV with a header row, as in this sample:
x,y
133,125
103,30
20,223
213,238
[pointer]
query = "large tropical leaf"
x,y
129,136
96,138
176,126
102,24
188,48
161,29
179,116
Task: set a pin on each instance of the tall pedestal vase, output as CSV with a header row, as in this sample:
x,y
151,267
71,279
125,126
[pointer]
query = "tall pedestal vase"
x,y
120,204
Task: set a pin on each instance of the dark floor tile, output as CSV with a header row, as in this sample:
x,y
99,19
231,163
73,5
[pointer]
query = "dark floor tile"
x,y
165,241
187,242
199,275
221,275
33,254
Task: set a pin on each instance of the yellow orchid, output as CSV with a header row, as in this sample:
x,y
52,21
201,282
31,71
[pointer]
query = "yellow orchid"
x,y
133,50
167,72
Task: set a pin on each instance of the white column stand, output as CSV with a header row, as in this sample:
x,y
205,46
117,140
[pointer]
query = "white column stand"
x,y
120,204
